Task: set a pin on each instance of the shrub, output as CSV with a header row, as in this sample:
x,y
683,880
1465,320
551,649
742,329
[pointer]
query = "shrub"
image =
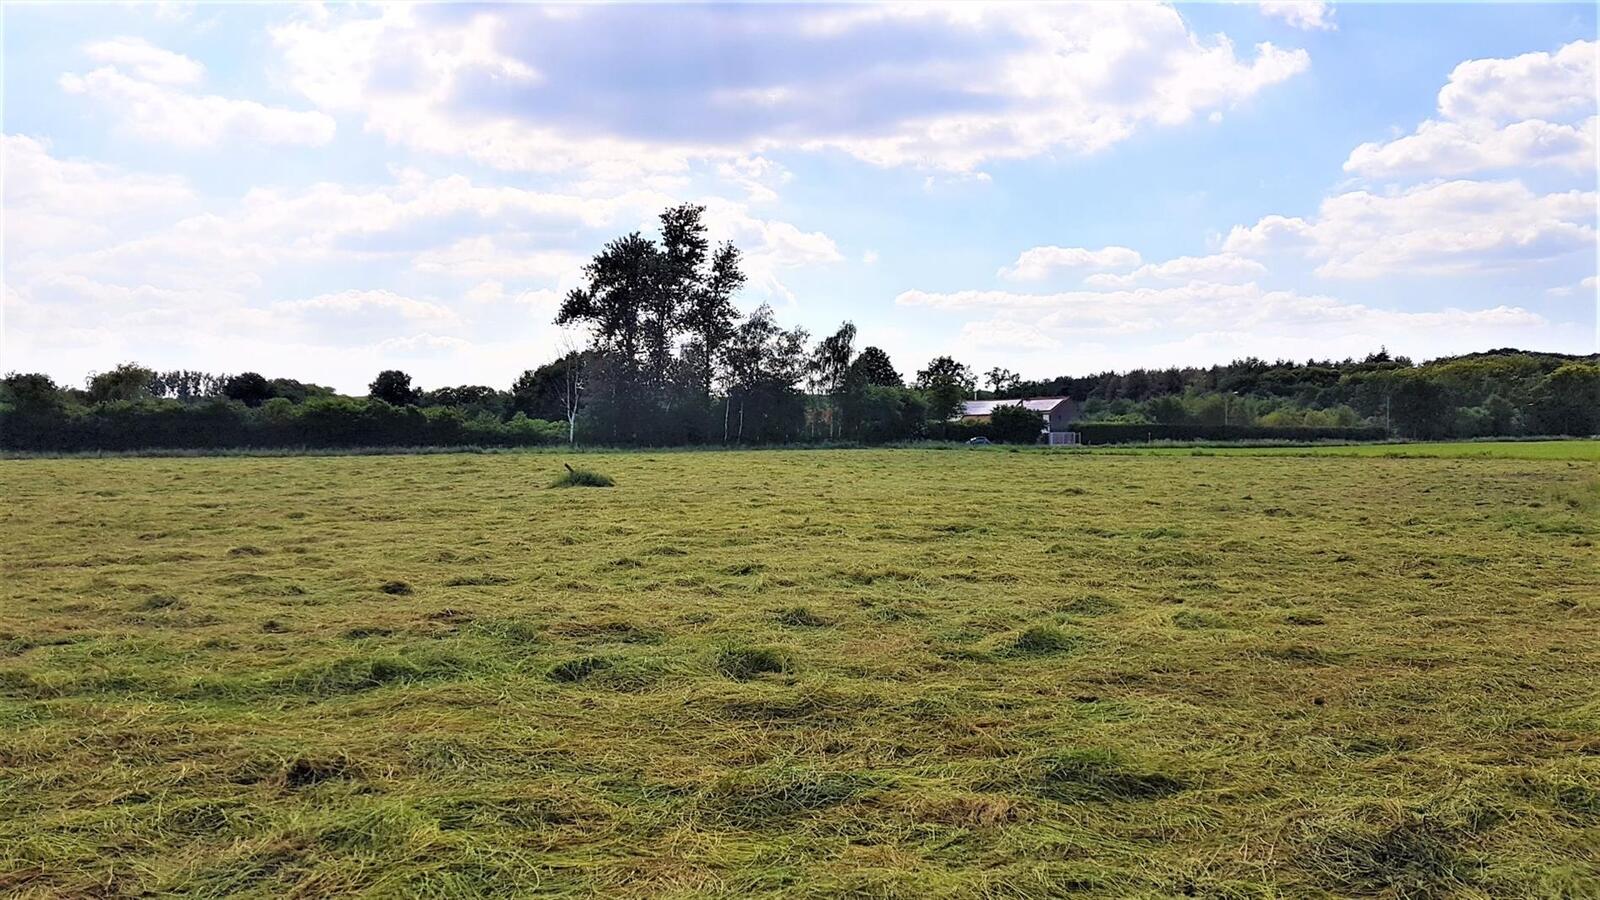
x,y
1015,424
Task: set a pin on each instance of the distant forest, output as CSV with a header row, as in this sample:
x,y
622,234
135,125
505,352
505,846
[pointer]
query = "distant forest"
x,y
672,362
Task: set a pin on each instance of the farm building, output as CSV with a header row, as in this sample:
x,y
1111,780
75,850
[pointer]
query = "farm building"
x,y
1058,412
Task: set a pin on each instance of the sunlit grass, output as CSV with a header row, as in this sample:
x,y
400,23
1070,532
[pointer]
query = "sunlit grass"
x,y
1588,450
887,673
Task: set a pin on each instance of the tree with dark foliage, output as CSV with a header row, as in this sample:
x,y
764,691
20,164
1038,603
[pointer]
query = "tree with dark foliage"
x,y
248,388
1015,424
393,387
872,368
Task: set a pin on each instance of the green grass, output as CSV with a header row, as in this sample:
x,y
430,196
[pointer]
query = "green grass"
x,y
921,673
1582,450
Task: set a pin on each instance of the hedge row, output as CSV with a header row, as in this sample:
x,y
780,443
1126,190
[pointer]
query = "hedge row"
x,y
353,423
320,423
1105,433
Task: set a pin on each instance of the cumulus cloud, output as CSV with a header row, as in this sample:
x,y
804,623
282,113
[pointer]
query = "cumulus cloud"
x,y
155,102
1038,263
603,88
1534,85
1268,319
1451,227
145,259
1537,109
1220,267
486,256
146,60
1307,15
53,202
346,303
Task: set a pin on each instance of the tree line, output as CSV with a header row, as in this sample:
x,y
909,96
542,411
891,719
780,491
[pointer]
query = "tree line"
x,y
671,361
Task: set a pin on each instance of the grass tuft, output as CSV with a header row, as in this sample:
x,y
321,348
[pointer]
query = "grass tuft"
x,y
578,668
1100,776
1044,640
801,617
582,478
354,674
1417,857
762,799
745,663
306,771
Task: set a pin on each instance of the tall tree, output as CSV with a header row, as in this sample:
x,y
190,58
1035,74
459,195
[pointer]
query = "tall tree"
x,y
33,393
829,363
764,366
393,387
248,388
872,369
710,317
947,383
129,381
620,281
676,268
1002,381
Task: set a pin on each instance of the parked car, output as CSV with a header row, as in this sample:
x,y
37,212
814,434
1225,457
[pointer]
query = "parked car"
x,y
978,440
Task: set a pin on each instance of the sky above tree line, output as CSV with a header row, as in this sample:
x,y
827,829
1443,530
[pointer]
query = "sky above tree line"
x,y
320,192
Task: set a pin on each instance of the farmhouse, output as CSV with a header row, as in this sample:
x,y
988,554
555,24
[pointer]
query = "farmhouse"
x,y
1057,412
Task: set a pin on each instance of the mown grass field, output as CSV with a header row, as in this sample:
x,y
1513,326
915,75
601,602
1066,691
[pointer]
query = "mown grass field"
x,y
910,673
1588,450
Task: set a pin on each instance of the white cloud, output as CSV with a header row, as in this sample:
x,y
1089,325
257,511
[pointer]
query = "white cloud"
x,y
139,261
1005,334
1531,110
489,257
1262,322
1451,227
360,302
1587,285
51,202
976,84
1460,148
164,114
423,345
147,61
1533,85
1038,263
1307,15
1220,267
757,175
486,292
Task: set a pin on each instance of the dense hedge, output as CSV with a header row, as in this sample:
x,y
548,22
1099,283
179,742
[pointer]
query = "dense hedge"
x,y
331,422
1116,433
1103,433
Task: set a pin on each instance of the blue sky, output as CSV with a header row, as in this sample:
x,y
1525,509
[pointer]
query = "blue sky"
x,y
322,192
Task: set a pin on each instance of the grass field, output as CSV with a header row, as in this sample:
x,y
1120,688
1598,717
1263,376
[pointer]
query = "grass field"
x,y
906,673
1588,450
